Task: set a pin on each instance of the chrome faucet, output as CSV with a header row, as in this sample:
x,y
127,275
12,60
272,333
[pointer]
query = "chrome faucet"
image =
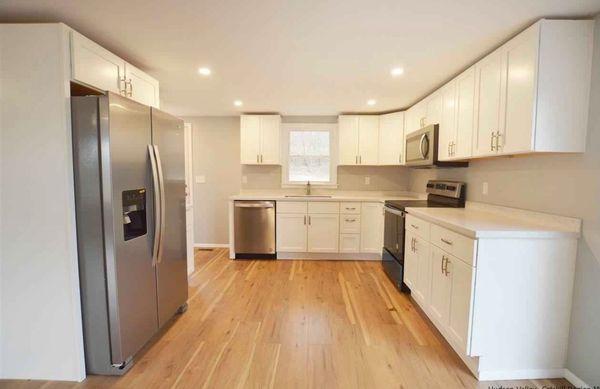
x,y
308,188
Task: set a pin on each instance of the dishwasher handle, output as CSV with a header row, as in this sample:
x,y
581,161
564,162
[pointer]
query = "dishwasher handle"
x,y
254,204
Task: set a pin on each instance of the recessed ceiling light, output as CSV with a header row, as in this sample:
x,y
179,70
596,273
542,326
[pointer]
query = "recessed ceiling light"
x,y
204,71
238,103
371,102
395,72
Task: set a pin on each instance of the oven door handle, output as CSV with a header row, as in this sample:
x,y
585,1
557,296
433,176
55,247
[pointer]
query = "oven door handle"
x,y
394,211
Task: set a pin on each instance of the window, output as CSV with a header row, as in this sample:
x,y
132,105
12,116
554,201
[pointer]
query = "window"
x,y
308,154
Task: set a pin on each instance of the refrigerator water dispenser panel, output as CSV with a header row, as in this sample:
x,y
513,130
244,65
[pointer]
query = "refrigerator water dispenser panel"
x,y
134,213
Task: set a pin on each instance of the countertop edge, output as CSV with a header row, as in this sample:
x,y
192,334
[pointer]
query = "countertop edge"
x,y
494,234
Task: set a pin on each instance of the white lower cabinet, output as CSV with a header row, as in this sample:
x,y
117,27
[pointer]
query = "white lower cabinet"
x,y
323,233
462,278
411,263
441,286
371,228
329,227
349,243
291,232
421,251
489,297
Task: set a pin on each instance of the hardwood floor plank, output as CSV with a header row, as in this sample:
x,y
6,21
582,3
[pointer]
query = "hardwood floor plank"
x,y
293,324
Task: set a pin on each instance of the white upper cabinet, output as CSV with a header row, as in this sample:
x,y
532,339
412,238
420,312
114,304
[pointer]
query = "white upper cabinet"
x,y
141,87
391,139
94,66
415,117
447,123
259,139
348,139
465,100
490,100
358,139
532,94
433,105
368,139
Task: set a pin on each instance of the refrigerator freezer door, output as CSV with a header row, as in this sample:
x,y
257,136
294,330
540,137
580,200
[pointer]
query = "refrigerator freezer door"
x,y
131,281
171,270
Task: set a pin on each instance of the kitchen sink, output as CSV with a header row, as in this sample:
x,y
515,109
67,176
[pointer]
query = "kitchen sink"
x,y
310,196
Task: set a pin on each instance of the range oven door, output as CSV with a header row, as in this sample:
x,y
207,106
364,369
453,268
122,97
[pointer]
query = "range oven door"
x,y
393,246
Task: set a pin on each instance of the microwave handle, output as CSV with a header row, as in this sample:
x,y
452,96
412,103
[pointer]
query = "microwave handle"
x,y
423,137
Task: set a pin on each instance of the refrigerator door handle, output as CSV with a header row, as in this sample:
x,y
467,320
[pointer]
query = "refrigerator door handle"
x,y
157,205
161,180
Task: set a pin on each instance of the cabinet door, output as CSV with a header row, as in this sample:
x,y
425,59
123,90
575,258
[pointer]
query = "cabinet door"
x,y
391,138
348,139
491,84
465,99
461,301
95,66
141,87
291,232
368,139
521,59
323,233
250,139
411,270
269,139
441,285
423,288
371,228
434,109
447,131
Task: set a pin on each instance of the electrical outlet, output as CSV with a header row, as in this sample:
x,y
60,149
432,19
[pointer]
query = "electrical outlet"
x,y
484,189
244,179
367,180
200,179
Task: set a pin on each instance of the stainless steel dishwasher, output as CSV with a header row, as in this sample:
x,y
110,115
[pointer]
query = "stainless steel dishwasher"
x,y
254,228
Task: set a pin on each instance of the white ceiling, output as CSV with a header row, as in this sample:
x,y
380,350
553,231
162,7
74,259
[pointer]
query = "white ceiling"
x,y
296,57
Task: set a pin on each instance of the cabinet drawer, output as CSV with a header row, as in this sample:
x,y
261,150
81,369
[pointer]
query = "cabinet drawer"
x,y
458,245
418,226
291,207
350,224
323,207
350,208
349,243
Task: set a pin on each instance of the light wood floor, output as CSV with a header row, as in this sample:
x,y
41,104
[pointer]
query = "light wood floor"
x,y
294,324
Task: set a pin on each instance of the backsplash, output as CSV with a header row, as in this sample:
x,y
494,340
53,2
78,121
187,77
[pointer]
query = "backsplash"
x,y
382,178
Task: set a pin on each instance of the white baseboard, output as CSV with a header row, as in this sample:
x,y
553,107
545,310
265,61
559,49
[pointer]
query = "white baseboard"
x,y
210,245
573,379
529,374
330,256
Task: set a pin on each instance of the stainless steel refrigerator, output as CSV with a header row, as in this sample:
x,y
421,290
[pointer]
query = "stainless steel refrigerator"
x,y
130,202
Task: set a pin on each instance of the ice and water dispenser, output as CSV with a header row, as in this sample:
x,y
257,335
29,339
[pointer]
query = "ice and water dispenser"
x,y
134,213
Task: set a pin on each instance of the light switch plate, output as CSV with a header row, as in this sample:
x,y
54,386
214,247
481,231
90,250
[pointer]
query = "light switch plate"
x,y
484,189
200,179
367,180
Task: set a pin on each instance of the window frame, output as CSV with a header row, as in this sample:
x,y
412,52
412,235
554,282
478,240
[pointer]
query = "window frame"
x,y
333,153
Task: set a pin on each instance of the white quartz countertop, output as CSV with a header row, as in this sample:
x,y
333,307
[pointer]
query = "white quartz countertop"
x,y
332,196
478,220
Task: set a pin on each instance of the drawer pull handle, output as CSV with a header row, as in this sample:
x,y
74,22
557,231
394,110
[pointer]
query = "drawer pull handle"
x,y
448,242
350,220
415,227
350,209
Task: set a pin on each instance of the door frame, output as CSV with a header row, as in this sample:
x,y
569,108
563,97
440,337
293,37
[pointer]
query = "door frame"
x,y
189,188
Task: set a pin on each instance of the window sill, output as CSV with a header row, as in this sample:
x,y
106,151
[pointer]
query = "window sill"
x,y
313,185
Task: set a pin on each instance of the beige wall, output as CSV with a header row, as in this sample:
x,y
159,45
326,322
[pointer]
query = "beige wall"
x,y
560,184
216,148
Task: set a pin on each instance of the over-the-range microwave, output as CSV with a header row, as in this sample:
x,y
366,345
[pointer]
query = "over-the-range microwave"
x,y
422,149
